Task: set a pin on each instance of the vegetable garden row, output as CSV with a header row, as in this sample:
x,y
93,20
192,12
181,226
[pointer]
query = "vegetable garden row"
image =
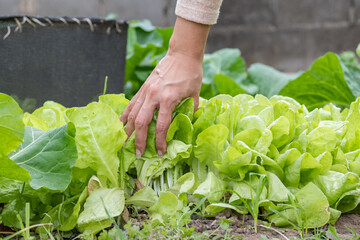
x,y
261,141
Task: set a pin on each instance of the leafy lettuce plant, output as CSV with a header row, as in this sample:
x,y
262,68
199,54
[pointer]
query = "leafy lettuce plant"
x,y
80,171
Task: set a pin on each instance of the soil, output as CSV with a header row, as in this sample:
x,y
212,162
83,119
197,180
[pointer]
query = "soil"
x,y
243,226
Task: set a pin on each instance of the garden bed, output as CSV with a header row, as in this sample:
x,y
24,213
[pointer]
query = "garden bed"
x,y
291,159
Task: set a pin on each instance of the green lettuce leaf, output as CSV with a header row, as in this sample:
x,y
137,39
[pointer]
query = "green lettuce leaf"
x,y
214,208
334,184
268,80
145,197
164,211
63,216
99,136
9,189
225,85
320,140
50,115
323,83
102,205
11,125
246,191
277,191
150,167
348,201
223,65
117,102
48,156
304,169
185,184
314,209
351,141
9,169
212,188
11,210
351,68
210,145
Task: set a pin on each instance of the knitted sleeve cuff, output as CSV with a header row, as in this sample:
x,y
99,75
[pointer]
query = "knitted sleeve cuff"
x,y
200,11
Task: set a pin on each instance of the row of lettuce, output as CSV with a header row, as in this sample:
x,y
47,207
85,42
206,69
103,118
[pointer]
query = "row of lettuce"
x,y
75,170
330,79
71,164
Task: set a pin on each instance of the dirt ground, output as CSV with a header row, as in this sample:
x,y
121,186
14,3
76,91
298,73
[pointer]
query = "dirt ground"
x,y
243,226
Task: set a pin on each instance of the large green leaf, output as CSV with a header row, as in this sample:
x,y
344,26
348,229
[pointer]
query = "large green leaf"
x,y
351,68
50,115
11,125
320,140
225,85
9,169
185,184
9,189
334,184
145,197
212,188
99,208
117,102
227,62
349,201
11,210
322,84
277,192
246,191
210,145
99,136
165,208
351,140
11,135
268,80
48,156
63,216
313,212
224,73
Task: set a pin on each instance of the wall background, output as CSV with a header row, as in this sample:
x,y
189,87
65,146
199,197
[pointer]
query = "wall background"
x,y
286,34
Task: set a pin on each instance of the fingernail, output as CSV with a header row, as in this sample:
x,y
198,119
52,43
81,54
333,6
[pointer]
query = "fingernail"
x,y
160,153
138,153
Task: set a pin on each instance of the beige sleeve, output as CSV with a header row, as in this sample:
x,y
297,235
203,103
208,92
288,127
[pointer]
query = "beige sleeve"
x,y
200,11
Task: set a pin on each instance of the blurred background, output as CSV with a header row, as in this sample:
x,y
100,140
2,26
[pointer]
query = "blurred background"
x,y
286,34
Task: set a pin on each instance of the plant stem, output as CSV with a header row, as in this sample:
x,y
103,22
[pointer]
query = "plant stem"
x,y
286,238
26,229
27,219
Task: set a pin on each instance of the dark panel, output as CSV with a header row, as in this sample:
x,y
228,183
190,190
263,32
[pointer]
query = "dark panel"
x,y
66,63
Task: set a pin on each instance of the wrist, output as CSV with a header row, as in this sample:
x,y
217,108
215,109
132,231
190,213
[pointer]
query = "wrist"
x,y
189,38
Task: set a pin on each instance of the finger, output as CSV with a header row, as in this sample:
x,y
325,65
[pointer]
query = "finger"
x,y
196,103
162,126
130,127
141,126
124,116
140,94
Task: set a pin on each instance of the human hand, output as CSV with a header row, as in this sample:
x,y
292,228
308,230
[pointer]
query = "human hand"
x,y
176,77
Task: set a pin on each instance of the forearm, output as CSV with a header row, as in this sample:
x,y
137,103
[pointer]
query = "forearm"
x,y
177,76
189,38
